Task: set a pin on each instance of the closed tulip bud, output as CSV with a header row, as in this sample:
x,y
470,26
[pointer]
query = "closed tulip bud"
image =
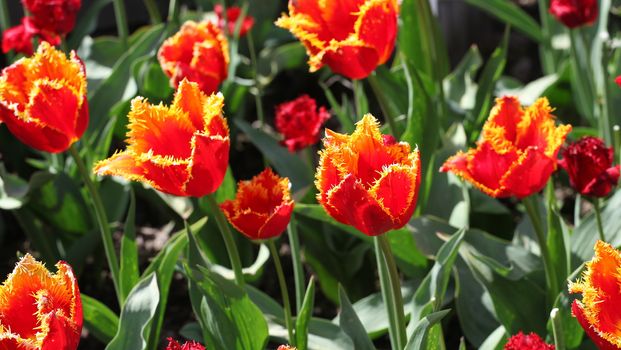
x,y
574,13
300,122
530,341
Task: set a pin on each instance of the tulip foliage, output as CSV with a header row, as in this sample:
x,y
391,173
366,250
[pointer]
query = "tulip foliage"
x,y
309,175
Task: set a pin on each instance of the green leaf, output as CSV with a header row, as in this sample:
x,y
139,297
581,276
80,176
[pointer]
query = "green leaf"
x,y
459,86
99,319
13,190
304,316
418,340
129,252
496,340
151,80
273,60
285,163
529,93
510,13
342,110
86,23
136,314
350,323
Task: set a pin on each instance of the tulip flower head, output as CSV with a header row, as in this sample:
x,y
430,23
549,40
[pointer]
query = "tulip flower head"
x,y
39,309
589,165
182,150
198,52
530,341
232,15
20,37
43,99
368,180
516,153
598,311
299,121
263,206
286,347
352,37
574,13
56,16
188,345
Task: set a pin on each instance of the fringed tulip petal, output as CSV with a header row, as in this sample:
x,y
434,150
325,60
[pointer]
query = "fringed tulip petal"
x,y
57,16
181,150
368,180
189,345
517,151
43,99
530,341
352,37
262,207
38,309
599,310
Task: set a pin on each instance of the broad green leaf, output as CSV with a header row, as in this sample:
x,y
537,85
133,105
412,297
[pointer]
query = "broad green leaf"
x,y
303,318
285,163
530,92
13,190
572,332
459,86
496,340
99,319
510,13
350,323
418,340
129,252
86,23
136,315
557,240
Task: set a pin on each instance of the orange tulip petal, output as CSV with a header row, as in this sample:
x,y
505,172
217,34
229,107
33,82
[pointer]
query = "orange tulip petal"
x,y
189,99
577,311
122,164
205,172
376,26
358,208
529,174
167,175
277,222
397,191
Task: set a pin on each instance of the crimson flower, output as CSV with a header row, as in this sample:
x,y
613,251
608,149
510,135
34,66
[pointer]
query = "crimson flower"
x,y
530,341
299,121
20,37
56,16
574,13
189,345
232,14
589,165
262,207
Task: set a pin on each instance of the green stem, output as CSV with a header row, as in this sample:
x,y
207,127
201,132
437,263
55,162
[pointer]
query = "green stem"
x,y
227,236
383,102
557,329
102,220
598,218
283,289
533,212
616,141
358,88
121,22
577,207
296,258
5,23
255,76
154,12
545,51
583,86
387,296
173,12
395,289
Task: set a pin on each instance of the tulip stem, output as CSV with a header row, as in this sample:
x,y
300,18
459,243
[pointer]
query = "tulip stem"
x,y
283,289
557,329
533,212
227,236
154,12
598,218
102,220
383,102
298,270
255,76
394,289
121,22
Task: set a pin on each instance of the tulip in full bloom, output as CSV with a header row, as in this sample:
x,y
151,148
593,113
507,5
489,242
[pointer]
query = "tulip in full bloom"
x,y
368,180
20,37
181,150
589,165
189,345
530,341
263,206
198,52
516,153
299,121
286,347
352,37
43,99
56,16
574,13
598,311
232,14
39,309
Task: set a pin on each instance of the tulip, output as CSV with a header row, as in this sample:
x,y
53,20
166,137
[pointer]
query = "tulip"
x,y
181,150
20,37
530,341
352,37
299,121
56,16
517,152
574,13
589,165
43,99
598,311
189,345
38,309
262,208
198,52
232,14
286,347
368,180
